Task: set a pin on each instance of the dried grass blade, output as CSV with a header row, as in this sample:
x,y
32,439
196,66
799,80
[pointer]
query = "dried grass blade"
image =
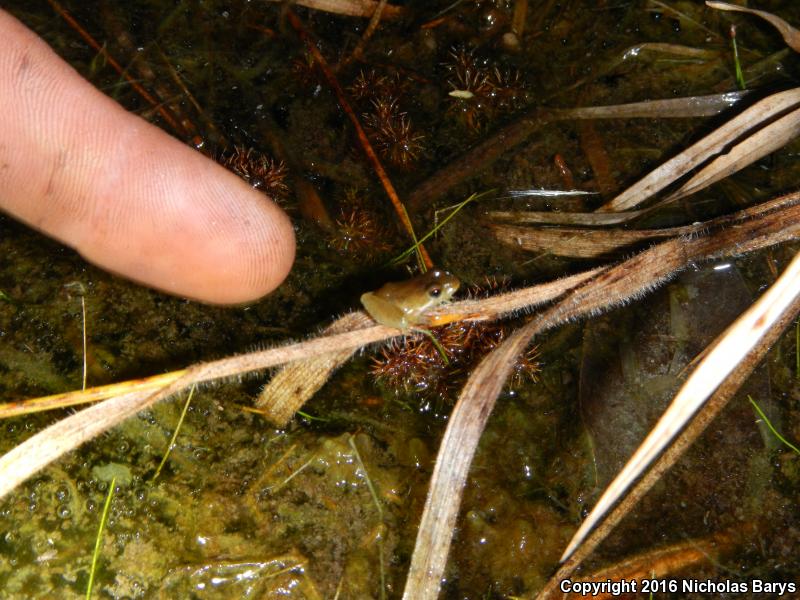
x,y
297,382
480,157
769,139
667,108
770,223
567,218
511,303
587,243
485,309
94,394
790,35
579,243
35,453
738,340
460,440
703,150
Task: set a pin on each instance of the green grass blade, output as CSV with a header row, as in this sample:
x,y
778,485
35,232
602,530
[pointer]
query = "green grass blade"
x,y
406,253
98,540
771,428
737,63
174,434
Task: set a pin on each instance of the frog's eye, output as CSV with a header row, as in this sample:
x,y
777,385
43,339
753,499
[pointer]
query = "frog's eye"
x,y
434,292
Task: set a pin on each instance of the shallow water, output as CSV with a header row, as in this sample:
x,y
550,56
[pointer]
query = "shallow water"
x,y
245,510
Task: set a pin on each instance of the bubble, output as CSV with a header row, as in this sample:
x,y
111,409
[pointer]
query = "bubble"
x,y
62,493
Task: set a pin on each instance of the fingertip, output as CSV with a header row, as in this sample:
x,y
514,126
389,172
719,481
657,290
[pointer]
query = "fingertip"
x,y
123,193
270,241
187,226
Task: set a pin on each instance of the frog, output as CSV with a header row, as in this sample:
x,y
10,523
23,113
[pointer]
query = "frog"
x,y
403,304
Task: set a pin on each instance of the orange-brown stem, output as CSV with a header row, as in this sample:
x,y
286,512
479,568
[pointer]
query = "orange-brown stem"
x,y
159,107
372,157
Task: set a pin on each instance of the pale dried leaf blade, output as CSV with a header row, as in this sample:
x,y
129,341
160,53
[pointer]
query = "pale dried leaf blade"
x,y
716,403
769,139
700,152
39,450
566,218
668,108
738,340
297,382
578,243
790,35
467,422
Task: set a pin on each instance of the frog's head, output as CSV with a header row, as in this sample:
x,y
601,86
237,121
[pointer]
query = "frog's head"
x,y
440,286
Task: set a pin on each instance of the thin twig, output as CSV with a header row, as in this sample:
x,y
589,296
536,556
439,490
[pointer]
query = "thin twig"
x,y
100,49
358,51
372,157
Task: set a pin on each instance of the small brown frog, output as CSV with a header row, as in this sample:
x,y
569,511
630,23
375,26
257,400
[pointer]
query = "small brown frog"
x,y
403,304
